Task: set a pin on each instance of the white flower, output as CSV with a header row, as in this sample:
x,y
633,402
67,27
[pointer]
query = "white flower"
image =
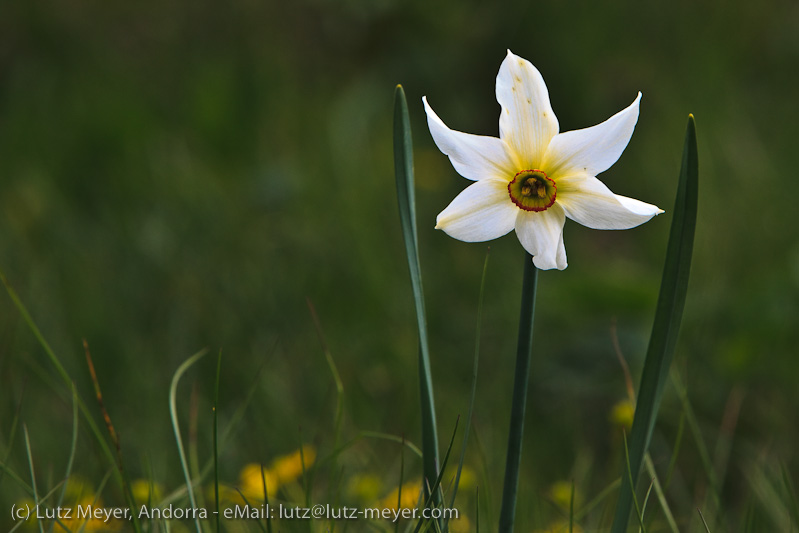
x,y
532,177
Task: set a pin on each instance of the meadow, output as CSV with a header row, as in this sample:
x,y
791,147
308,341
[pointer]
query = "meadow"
x,y
190,178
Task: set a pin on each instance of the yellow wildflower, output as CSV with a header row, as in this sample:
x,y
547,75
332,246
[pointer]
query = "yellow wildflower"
x,y
144,491
409,496
622,414
74,523
364,488
468,479
77,489
560,493
289,467
283,470
252,483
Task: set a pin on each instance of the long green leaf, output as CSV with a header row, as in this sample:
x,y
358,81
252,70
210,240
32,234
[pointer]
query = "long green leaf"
x,y
33,475
524,350
790,493
72,449
671,302
339,416
173,413
638,513
68,381
216,440
477,509
12,434
571,509
435,488
664,505
403,169
225,437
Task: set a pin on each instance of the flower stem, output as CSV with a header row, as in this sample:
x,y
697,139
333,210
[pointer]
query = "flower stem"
x,y
523,355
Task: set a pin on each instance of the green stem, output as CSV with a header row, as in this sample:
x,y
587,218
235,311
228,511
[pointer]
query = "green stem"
x,y
523,355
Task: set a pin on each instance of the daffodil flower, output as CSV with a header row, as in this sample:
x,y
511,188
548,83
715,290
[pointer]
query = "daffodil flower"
x,y
532,177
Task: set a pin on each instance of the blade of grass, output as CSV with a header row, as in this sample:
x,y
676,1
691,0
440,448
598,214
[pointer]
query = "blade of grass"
x,y
304,478
193,454
227,433
571,509
111,432
663,340
73,447
430,500
26,317
371,435
650,468
18,525
521,378
334,371
643,508
704,523
675,450
44,499
95,500
473,392
268,516
23,311
477,509
486,477
791,493
150,477
33,475
401,481
403,168
417,505
247,503
339,413
630,477
19,481
762,481
216,439
701,447
173,413
336,489
12,433
625,368
723,449
749,518
599,498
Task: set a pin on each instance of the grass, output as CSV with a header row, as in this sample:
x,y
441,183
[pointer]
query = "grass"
x,y
360,456
778,487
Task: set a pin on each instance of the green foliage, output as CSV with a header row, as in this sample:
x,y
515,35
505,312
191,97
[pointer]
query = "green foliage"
x,y
665,330
182,175
403,170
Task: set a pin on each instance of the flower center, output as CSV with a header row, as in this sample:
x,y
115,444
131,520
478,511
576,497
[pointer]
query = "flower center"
x,y
532,190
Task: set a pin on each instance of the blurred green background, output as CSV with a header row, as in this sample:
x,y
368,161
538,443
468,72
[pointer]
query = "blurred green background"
x,y
181,175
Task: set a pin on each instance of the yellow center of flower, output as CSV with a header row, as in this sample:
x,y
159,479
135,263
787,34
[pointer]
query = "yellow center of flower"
x,y
532,190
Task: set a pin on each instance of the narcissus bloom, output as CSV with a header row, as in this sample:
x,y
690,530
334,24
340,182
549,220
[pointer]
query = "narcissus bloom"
x,y
532,177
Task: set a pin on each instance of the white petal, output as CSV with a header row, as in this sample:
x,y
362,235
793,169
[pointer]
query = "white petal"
x,y
474,156
527,122
588,201
483,211
592,150
541,234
